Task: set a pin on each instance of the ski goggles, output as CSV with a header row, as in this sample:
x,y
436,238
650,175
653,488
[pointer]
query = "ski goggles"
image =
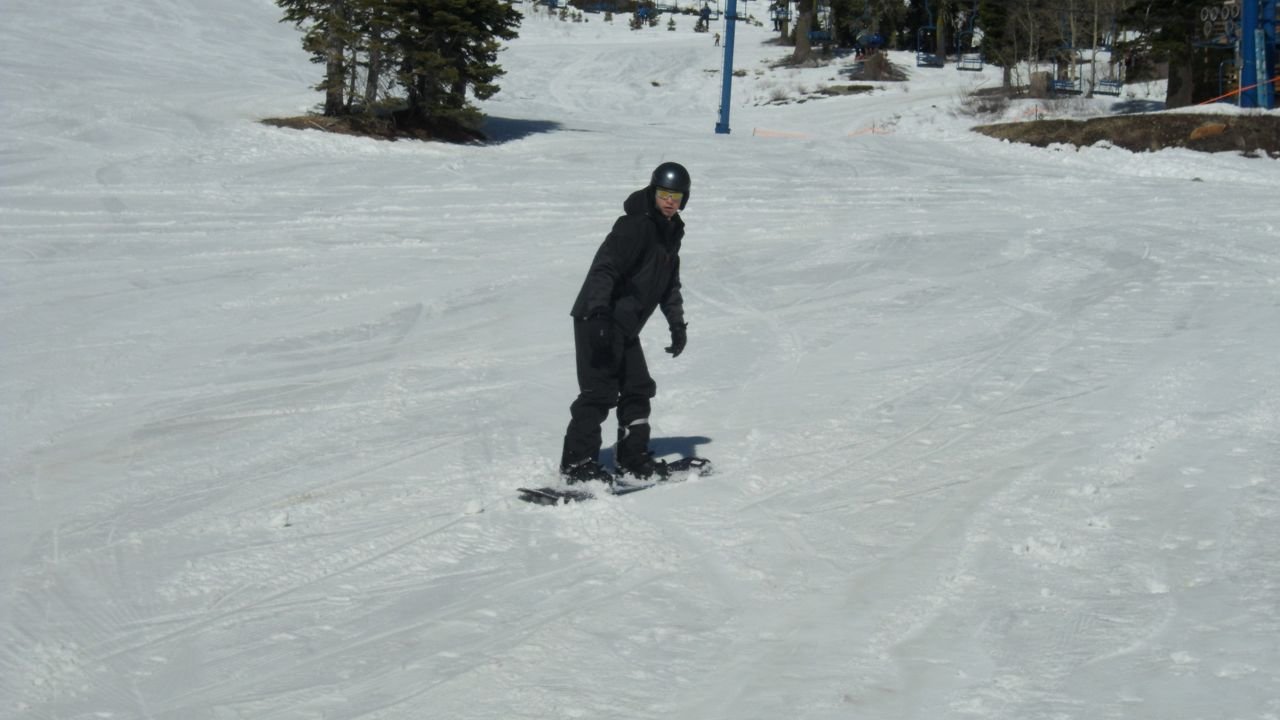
x,y
672,195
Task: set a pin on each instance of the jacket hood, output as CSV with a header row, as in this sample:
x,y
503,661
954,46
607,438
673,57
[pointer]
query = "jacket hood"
x,y
642,202
639,202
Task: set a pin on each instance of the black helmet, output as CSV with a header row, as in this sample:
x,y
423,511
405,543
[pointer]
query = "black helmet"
x,y
672,176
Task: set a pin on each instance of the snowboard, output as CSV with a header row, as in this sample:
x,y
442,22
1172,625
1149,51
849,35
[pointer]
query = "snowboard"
x,y
680,470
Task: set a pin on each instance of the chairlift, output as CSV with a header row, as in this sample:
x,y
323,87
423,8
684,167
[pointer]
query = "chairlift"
x,y
780,14
1110,39
1108,86
1066,86
1070,56
971,61
968,57
927,35
821,33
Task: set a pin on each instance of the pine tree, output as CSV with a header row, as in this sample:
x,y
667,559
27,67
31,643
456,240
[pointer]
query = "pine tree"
x,y
436,50
999,38
1167,29
373,25
446,47
327,36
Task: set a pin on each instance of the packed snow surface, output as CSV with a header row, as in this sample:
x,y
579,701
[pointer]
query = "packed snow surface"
x,y
996,428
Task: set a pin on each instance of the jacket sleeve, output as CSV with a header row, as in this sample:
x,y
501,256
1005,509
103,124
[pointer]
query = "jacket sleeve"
x,y
673,302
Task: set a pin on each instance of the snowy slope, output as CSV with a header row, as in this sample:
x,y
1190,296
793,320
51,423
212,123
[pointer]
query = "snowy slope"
x,y
995,427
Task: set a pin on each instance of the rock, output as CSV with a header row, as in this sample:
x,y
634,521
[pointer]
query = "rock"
x,y
1208,129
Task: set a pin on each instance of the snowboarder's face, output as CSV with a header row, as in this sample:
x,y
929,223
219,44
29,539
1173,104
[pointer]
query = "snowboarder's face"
x,y
668,202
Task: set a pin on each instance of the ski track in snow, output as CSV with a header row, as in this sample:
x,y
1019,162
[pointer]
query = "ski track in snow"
x,y
994,426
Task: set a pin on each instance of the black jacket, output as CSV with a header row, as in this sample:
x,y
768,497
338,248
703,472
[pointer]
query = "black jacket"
x,y
636,269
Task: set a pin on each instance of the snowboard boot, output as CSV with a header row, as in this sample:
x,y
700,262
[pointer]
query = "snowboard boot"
x,y
632,453
585,471
643,466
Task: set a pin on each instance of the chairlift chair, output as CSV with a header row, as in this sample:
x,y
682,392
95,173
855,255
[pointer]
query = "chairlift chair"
x,y
780,14
1108,86
821,33
926,58
1066,87
971,59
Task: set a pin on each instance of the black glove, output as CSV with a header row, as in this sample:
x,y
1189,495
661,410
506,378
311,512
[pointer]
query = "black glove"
x,y
679,337
600,335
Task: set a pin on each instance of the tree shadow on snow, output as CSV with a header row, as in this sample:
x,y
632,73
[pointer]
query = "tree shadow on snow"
x,y
686,446
1133,107
500,130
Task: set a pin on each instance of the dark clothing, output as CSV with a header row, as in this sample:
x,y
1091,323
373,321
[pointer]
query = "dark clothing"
x,y
624,384
635,271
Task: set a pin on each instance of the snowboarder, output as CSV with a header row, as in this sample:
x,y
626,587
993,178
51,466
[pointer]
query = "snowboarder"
x,y
635,271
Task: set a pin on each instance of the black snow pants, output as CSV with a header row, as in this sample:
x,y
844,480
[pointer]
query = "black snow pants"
x,y
625,384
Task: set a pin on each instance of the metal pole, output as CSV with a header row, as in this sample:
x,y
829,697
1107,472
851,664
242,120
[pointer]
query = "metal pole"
x,y
1267,55
1250,48
726,82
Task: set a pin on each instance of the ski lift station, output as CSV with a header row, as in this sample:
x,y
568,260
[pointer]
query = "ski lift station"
x,y
1243,34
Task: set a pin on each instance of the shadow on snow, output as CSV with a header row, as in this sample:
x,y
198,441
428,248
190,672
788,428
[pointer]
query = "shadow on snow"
x,y
500,130
686,446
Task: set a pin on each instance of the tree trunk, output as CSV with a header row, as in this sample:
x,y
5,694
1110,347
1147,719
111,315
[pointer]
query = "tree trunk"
x,y
942,22
1033,51
374,75
335,60
353,66
1093,57
804,23
1181,83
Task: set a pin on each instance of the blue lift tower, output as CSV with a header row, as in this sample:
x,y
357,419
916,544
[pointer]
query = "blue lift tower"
x,y
726,81
1259,65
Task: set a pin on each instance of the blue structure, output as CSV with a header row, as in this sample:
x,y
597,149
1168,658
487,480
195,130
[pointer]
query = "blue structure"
x,y
823,32
929,58
868,41
969,57
1258,72
1108,87
726,82
1250,35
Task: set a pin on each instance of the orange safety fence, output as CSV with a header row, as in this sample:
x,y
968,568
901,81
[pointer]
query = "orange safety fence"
x,y
1034,111
1241,90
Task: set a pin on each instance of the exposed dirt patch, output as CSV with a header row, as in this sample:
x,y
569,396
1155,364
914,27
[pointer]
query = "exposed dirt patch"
x,y
836,90
1254,135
